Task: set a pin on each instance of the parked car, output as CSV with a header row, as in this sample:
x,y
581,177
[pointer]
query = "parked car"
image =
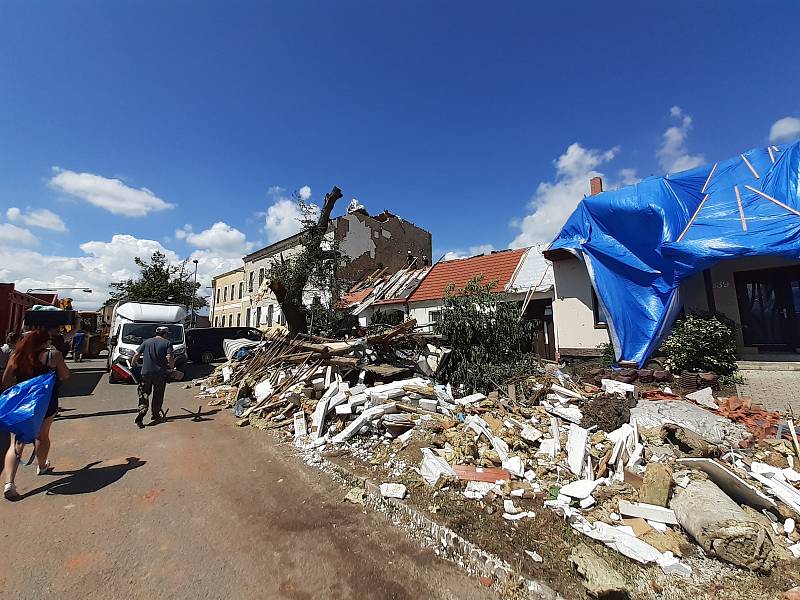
x,y
205,343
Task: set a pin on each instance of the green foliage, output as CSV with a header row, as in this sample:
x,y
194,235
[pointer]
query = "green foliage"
x,y
160,281
608,357
702,343
315,267
391,318
327,321
490,342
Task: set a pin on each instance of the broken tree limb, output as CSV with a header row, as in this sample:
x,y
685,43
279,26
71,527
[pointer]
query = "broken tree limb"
x,y
289,293
722,528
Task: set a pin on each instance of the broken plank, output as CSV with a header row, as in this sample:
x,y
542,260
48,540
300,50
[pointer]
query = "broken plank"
x,y
650,512
488,474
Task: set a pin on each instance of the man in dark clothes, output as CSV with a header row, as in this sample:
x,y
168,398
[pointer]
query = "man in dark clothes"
x,y
158,360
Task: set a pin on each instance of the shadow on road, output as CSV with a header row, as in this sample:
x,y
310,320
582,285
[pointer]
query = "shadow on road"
x,y
102,413
87,479
196,416
197,370
82,383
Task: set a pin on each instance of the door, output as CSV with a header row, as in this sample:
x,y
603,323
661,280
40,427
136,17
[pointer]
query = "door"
x,y
769,306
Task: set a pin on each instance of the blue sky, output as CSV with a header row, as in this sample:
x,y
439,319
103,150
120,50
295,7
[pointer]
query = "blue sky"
x,y
464,118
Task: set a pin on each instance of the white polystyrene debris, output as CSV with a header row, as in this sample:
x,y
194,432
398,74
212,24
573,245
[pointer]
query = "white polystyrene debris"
x,y
672,566
580,489
433,467
514,465
393,490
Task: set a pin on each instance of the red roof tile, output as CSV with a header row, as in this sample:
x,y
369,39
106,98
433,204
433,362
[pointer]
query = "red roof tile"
x,y
497,266
352,298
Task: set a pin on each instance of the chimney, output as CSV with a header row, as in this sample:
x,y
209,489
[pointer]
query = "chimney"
x,y
596,186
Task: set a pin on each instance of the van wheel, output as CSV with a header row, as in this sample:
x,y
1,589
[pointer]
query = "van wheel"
x,y
206,357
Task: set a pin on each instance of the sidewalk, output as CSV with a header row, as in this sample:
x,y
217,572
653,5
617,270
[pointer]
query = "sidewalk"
x,y
775,390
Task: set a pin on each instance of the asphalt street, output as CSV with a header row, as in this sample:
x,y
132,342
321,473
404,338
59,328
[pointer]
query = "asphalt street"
x,y
195,509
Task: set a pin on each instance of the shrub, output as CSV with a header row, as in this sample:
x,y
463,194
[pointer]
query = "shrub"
x,y
490,343
701,343
607,358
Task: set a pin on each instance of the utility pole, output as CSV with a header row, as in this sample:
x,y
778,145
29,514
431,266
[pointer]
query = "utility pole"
x,y
194,293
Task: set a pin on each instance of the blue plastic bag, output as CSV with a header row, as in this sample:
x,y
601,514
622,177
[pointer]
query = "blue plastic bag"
x,y
23,406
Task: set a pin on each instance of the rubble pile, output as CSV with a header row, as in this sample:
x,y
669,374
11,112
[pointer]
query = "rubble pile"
x,y
658,480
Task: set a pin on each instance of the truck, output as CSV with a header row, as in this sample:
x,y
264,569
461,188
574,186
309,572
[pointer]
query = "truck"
x,y
134,322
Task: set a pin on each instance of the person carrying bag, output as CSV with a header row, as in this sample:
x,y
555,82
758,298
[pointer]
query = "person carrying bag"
x,y
30,402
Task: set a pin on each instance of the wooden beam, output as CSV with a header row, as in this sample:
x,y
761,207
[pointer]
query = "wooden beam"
x,y
741,209
771,199
749,166
696,212
771,154
708,180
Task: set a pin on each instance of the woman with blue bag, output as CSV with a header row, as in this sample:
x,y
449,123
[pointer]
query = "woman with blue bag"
x,y
30,402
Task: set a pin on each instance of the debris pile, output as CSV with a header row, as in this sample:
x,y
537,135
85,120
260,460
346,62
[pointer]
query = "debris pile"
x,y
646,477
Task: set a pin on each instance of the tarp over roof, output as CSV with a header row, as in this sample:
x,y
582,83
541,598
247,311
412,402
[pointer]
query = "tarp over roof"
x,y
641,241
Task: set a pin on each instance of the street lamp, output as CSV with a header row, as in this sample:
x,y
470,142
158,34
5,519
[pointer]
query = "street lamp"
x,y
56,289
194,293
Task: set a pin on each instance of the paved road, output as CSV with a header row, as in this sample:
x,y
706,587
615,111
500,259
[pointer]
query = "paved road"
x,y
195,510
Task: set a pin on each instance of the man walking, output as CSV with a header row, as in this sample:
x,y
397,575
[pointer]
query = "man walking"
x,y
78,340
158,359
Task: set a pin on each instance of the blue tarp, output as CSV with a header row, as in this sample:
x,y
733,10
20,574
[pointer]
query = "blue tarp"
x,y
629,238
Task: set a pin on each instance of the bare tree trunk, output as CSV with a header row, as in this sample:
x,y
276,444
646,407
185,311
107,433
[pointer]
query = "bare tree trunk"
x,y
290,293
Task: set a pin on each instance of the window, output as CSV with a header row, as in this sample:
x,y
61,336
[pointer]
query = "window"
x,y
434,316
260,276
241,290
250,282
225,293
258,316
218,295
238,319
233,291
216,321
600,318
269,315
281,319
247,318
230,320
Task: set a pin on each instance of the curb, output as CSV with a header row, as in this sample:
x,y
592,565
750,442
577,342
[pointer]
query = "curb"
x,y
444,541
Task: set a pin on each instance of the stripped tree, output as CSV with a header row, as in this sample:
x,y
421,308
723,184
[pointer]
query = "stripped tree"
x,y
316,265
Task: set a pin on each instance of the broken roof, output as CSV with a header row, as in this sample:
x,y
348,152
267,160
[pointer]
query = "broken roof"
x,y
498,266
533,274
640,242
384,289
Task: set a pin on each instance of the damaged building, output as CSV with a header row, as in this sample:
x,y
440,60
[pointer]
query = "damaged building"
x,y
719,238
383,242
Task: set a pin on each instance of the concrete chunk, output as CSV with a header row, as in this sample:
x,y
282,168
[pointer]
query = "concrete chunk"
x,y
657,485
601,580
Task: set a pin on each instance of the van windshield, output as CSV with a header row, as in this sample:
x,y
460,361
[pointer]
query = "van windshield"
x,y
136,333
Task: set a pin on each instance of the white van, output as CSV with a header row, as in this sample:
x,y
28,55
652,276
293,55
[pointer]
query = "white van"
x,y
134,322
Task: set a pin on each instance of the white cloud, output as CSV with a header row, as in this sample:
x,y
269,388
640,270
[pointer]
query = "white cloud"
x,y
221,238
673,155
786,129
555,200
11,235
471,251
42,217
283,217
101,263
111,194
628,177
